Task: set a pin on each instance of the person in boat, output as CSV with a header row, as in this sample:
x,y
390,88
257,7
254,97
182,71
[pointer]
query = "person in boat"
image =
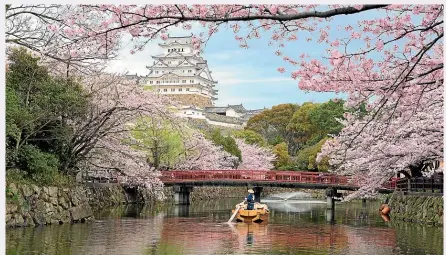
x,y
250,199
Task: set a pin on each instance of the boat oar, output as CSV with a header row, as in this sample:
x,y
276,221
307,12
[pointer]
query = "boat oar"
x,y
235,212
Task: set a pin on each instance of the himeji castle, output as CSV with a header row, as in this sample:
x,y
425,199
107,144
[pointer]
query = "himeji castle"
x,y
182,74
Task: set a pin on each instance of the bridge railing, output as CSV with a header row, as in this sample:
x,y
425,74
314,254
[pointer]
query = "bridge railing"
x,y
256,175
421,184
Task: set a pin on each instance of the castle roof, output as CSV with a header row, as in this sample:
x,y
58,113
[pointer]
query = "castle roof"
x,y
222,109
237,107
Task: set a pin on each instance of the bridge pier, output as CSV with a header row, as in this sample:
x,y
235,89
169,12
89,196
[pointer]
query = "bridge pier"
x,y
330,193
257,193
181,210
182,194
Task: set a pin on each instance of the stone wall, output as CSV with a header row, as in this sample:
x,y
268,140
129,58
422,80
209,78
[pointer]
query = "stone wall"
x,y
191,99
215,192
417,208
30,205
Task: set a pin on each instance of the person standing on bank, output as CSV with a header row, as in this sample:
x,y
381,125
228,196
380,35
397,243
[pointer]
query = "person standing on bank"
x,y
250,199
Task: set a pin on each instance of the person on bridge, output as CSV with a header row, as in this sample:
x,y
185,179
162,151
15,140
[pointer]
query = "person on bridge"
x,y
250,199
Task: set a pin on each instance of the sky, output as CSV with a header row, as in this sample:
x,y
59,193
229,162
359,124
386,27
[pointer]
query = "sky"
x,y
246,76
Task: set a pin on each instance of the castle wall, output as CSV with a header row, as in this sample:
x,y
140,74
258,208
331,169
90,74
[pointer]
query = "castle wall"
x,y
190,99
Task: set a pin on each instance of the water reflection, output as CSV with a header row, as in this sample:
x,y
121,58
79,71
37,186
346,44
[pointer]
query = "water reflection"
x,y
202,229
294,205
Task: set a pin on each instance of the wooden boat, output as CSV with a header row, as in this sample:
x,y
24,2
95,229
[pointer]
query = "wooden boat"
x,y
259,214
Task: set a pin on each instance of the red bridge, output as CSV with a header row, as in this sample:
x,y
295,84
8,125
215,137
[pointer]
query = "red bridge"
x,y
290,179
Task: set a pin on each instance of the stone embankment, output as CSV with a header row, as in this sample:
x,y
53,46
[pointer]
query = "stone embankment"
x,y
30,205
417,208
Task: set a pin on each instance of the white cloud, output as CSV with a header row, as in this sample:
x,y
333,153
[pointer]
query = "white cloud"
x,y
134,63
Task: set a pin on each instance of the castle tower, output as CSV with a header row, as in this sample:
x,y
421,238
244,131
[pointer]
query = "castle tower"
x,y
182,74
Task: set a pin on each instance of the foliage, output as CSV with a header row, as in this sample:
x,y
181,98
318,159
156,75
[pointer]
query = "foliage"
x,y
272,123
226,142
325,119
282,156
301,125
306,159
255,157
40,165
250,137
312,122
58,179
160,140
39,108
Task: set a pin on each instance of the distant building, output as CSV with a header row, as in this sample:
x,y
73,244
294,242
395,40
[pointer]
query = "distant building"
x,y
183,75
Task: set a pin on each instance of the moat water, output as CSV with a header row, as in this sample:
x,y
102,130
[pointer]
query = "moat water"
x,y
294,227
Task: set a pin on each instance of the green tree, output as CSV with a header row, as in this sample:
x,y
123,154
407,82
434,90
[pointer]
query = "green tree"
x,y
283,158
323,118
250,137
272,124
40,110
301,126
162,142
313,122
227,142
306,159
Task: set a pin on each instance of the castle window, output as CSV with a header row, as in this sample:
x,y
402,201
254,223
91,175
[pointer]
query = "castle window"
x,y
151,82
180,89
173,90
189,71
187,89
157,82
165,90
156,71
169,62
184,81
183,71
191,81
182,49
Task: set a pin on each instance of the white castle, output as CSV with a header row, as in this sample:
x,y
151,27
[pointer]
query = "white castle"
x,y
182,74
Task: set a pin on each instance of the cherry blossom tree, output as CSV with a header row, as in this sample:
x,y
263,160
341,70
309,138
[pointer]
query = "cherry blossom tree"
x,y
102,140
255,157
382,148
202,154
61,34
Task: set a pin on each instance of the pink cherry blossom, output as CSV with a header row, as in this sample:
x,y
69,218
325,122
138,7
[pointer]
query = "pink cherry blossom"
x,y
255,157
281,70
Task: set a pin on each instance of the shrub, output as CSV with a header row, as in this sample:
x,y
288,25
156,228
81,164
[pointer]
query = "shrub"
x,y
41,166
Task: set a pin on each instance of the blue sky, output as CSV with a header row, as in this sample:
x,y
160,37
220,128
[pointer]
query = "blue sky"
x,y
249,76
